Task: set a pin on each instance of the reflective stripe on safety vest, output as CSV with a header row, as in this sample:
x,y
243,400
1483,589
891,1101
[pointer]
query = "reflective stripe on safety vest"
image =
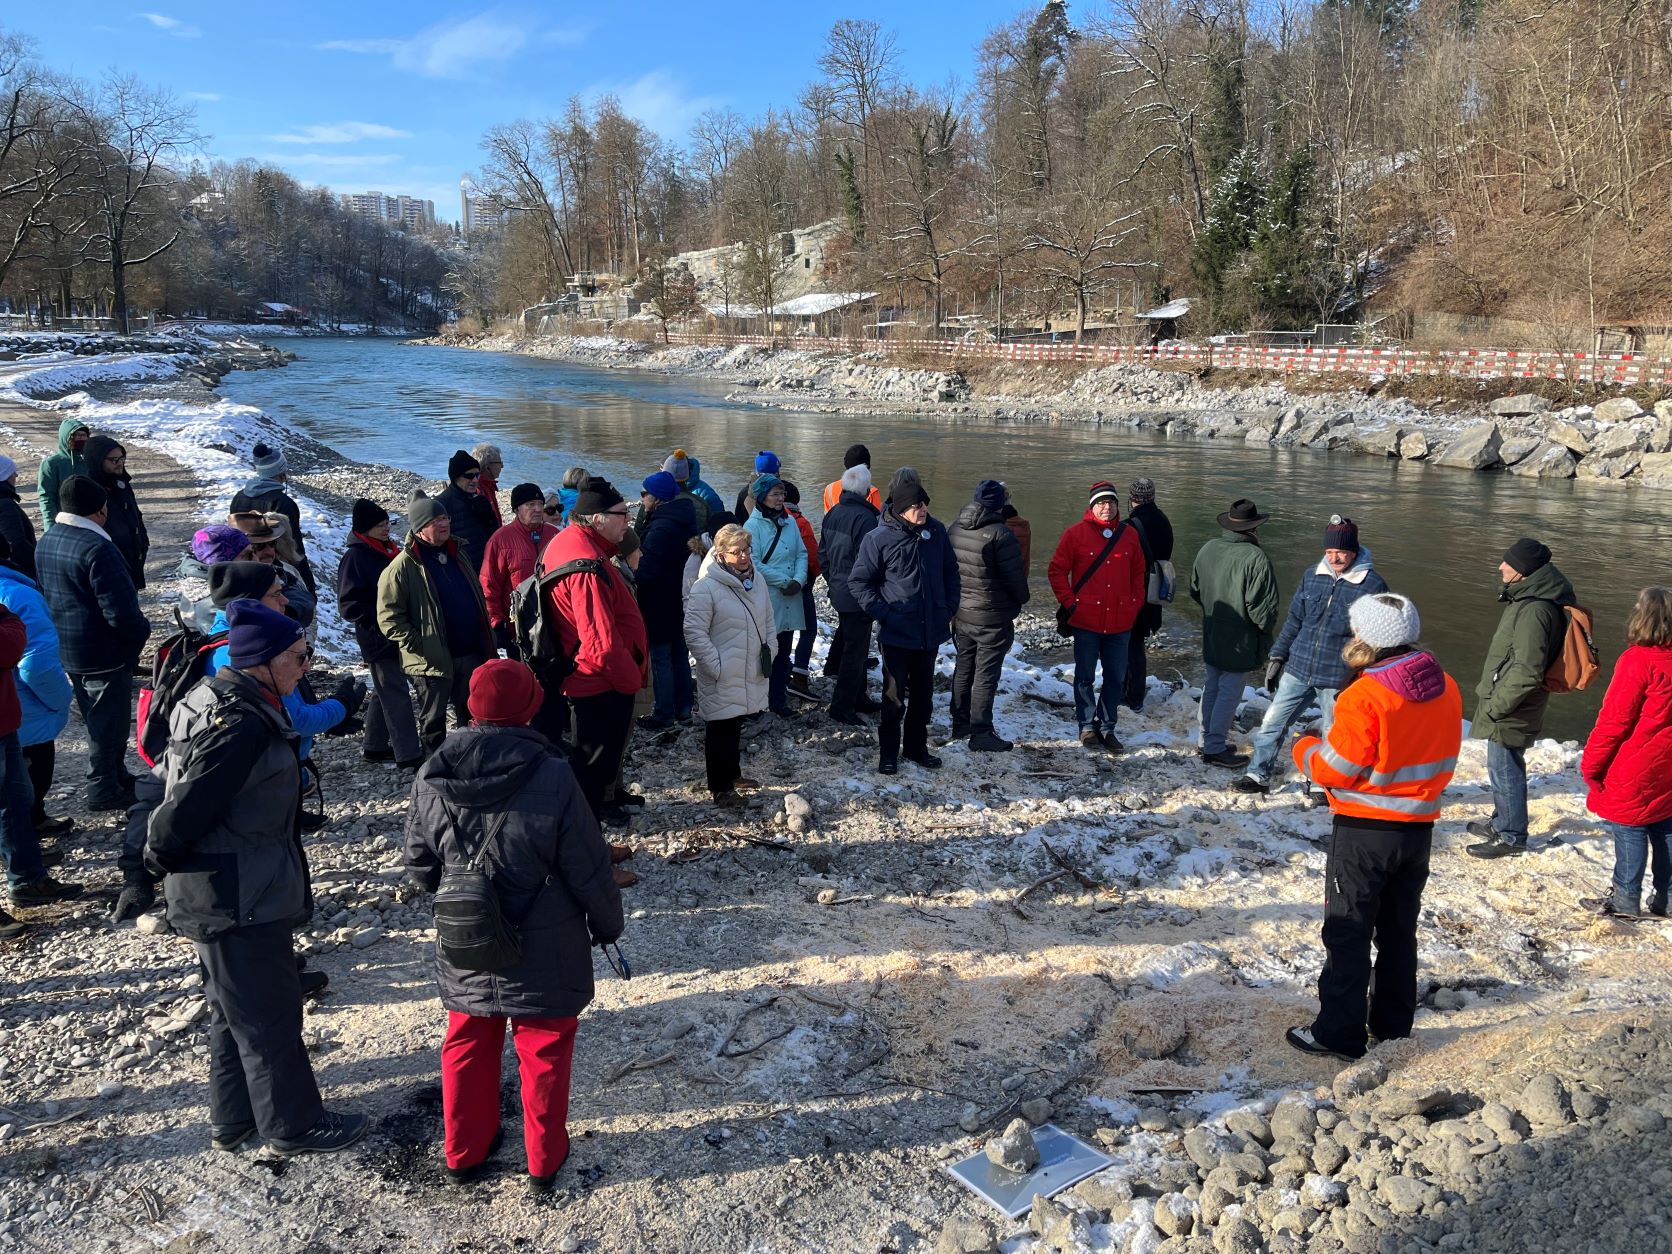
x,y
1412,774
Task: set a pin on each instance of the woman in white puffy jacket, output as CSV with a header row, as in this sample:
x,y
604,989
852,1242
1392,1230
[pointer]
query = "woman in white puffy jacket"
x,y
731,633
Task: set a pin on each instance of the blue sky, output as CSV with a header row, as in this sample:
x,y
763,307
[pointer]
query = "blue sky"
x,y
395,96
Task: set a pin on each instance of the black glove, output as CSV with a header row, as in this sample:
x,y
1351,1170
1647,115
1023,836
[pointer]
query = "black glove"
x,y
134,901
792,588
352,693
1274,672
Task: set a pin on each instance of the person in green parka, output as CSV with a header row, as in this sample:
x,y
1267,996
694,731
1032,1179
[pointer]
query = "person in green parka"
x,y
65,463
1234,583
1510,713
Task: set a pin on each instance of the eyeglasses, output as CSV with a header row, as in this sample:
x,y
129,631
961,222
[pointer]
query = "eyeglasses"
x,y
258,546
616,513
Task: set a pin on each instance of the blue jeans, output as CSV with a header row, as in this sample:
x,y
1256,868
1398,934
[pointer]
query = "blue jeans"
x,y
670,678
17,829
1506,768
1221,691
1094,709
778,687
1287,703
1632,846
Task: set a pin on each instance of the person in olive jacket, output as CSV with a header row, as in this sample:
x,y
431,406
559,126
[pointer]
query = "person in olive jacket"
x,y
391,727
993,588
906,578
501,780
1509,715
1234,583
843,529
226,842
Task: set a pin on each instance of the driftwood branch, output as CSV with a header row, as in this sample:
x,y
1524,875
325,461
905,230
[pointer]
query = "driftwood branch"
x,y
726,1050
639,1064
1016,901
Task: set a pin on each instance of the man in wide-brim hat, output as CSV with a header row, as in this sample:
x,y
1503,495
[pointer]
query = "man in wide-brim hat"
x,y
1235,585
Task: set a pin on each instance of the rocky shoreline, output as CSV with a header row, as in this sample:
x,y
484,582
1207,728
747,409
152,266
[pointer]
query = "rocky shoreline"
x,y
858,982
1614,441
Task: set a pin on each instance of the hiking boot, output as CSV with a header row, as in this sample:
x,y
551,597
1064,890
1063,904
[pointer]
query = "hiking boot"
x,y
231,1137
1248,783
651,723
612,815
1657,905
957,733
744,784
464,1175
51,827
730,799
632,800
313,983
10,927
1090,739
888,766
989,742
1227,759
52,855
866,705
1481,828
378,755
620,854
311,822
847,719
926,760
336,1130
784,711
1303,1040
1496,849
119,801
44,892
625,878
1112,743
801,684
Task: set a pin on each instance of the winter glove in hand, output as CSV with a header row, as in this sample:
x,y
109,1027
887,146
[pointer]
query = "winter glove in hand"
x,y
1274,672
792,588
352,693
135,900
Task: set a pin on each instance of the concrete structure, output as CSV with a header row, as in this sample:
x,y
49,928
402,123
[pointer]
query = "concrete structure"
x,y
805,266
408,212
478,214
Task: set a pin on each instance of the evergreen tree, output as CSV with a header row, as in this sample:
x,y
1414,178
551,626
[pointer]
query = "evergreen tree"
x,y
1233,218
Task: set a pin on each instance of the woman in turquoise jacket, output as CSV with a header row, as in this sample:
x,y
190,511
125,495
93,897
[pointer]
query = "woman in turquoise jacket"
x,y
781,559
43,690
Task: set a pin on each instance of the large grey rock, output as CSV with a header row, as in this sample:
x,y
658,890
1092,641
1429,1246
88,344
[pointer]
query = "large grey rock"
x,y
1612,441
1414,447
1061,1225
1617,467
1659,438
1552,461
1518,406
1405,1195
1206,1147
1014,1148
1655,471
1398,1103
1294,1122
1518,449
1383,442
1476,449
965,1234
1545,1102
1237,1235
1250,1124
1617,409
1290,419
1570,437
1175,1214
1663,410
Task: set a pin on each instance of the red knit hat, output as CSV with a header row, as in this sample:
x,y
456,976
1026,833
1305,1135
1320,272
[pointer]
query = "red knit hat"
x,y
504,692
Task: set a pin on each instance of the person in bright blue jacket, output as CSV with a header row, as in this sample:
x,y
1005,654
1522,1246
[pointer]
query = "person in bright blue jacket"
x,y
780,559
906,578
709,496
43,689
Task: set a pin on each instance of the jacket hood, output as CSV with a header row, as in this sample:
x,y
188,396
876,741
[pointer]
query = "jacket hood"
x,y
191,568
680,511
975,516
94,452
711,569
66,429
1544,584
10,575
693,476
261,485
1355,573
1414,676
485,766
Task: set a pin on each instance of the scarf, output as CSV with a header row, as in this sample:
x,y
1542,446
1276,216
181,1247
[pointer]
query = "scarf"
x,y
388,548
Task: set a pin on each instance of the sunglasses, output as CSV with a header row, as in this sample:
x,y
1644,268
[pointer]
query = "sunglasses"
x,y
552,511
263,544
471,475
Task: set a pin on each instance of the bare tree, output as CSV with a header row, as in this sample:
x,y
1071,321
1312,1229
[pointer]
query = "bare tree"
x,y
1081,242
669,291
522,175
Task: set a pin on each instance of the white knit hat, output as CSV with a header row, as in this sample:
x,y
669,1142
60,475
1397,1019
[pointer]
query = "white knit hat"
x,y
1385,620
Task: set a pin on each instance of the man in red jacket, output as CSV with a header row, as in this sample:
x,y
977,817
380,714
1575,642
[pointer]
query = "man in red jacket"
x,y
1098,576
510,557
599,625
25,872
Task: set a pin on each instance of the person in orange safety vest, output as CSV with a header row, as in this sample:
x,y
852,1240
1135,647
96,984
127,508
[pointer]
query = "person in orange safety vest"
x,y
1390,753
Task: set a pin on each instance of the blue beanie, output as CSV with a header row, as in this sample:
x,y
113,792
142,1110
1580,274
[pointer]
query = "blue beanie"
x,y
760,487
256,635
990,493
767,463
661,485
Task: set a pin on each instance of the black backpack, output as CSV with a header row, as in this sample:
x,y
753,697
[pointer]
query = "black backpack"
x,y
180,662
471,930
531,625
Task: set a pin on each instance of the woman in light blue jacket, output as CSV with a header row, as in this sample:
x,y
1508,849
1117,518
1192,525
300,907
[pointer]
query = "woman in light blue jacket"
x,y
781,557
43,690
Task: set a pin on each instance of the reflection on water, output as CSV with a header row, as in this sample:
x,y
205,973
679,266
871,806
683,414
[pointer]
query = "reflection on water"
x,y
1437,535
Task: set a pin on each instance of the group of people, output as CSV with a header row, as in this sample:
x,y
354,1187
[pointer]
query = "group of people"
x,y
513,650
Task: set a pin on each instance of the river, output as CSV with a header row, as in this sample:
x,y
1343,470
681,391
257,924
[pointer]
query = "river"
x,y
1437,534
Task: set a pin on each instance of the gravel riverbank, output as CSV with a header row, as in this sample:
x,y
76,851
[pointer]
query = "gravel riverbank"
x,y
855,983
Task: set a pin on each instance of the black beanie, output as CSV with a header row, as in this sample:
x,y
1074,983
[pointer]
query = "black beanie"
x,y
368,514
230,580
79,495
597,496
910,493
524,493
792,494
1526,555
718,519
461,463
857,455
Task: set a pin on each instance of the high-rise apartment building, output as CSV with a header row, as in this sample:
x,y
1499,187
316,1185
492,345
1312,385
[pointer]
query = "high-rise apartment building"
x,y
408,212
478,214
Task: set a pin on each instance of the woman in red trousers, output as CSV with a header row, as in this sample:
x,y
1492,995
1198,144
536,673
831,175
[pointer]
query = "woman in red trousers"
x,y
500,781
1628,760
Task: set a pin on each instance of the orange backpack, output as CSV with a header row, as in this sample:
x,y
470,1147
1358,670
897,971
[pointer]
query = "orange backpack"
x,y
1576,663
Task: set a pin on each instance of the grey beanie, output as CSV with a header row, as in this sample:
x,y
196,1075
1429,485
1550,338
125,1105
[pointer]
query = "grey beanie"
x,y
421,511
268,461
678,465
1385,620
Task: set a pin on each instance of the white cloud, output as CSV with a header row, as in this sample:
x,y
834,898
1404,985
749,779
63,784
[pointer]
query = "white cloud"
x,y
173,25
338,133
659,100
333,159
457,48
203,95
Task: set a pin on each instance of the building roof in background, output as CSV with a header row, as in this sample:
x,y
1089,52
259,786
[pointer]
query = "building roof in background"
x,y
809,306
1172,309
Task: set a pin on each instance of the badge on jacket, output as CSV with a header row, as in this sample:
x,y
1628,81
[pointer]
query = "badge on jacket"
x,y
1107,534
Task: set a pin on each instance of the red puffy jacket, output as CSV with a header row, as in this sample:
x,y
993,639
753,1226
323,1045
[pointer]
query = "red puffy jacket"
x,y
506,562
812,543
1628,758
597,618
1109,602
13,640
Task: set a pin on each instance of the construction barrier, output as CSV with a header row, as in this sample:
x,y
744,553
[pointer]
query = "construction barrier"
x,y
1615,369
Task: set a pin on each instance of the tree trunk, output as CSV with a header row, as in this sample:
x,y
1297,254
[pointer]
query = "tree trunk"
x,y
118,289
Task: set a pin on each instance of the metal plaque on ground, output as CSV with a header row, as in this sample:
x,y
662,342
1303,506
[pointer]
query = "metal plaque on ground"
x,y
1063,1160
